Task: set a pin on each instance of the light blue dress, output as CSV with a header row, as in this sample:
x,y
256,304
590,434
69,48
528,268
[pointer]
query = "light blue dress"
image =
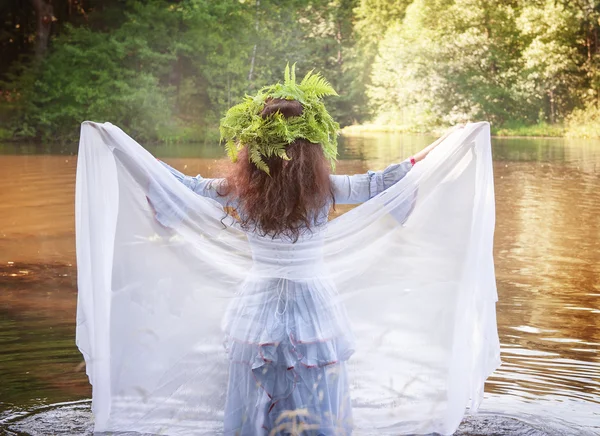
x,y
297,370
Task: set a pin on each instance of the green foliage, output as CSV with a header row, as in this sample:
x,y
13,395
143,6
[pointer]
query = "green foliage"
x,y
550,59
442,64
516,128
374,17
169,70
181,133
5,134
510,62
158,67
243,125
585,122
100,76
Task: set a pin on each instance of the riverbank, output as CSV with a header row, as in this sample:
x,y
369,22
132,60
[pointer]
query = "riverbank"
x,y
201,134
589,129
507,130
180,134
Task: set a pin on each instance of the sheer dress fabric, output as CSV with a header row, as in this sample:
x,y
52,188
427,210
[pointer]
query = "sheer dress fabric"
x,y
380,321
287,341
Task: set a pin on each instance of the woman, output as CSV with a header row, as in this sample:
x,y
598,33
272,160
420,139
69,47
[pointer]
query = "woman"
x,y
393,301
290,200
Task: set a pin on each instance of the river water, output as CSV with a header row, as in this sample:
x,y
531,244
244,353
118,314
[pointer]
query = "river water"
x,y
547,257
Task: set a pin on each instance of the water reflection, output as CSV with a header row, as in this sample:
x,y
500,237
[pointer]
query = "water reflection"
x,y
547,255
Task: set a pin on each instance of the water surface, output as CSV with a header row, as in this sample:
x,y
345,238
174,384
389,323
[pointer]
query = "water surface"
x,y
547,257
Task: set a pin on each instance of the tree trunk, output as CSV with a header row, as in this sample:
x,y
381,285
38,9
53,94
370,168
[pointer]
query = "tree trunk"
x,y
552,109
44,16
338,37
250,75
588,43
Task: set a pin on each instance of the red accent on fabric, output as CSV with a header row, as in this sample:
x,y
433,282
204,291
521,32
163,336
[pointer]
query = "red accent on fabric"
x,y
258,383
260,351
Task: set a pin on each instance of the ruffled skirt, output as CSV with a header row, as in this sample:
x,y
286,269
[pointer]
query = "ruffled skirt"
x,y
288,342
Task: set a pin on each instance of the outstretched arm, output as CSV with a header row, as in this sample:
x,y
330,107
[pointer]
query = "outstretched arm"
x,y
361,187
170,210
358,188
203,186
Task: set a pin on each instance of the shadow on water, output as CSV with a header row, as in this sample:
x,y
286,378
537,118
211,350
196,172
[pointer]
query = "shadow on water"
x,y
547,255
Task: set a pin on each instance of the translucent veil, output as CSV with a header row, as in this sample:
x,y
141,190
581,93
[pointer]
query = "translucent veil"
x,y
411,269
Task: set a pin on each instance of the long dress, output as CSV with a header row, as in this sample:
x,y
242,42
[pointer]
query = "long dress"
x,y
288,340
378,322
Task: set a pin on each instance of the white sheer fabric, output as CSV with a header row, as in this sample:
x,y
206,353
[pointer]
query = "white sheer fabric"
x,y
405,280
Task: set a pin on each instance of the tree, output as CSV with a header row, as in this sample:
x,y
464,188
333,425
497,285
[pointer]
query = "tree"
x,y
449,61
45,16
550,59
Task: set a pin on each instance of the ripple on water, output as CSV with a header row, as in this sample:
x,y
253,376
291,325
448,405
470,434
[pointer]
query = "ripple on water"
x,y
75,419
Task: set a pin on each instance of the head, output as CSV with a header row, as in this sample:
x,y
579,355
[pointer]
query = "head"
x,y
286,200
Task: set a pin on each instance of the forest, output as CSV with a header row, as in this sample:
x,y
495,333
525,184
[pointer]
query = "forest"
x,y
168,70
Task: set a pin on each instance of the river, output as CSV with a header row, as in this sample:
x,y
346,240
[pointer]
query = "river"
x,y
547,257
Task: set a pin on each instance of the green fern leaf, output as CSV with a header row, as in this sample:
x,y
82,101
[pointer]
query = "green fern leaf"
x,y
317,86
286,74
306,77
293,81
232,150
256,159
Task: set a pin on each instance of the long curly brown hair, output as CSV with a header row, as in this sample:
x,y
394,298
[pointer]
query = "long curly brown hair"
x,y
288,201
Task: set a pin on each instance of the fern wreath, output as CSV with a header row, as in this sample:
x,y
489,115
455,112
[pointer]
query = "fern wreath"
x,y
243,126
